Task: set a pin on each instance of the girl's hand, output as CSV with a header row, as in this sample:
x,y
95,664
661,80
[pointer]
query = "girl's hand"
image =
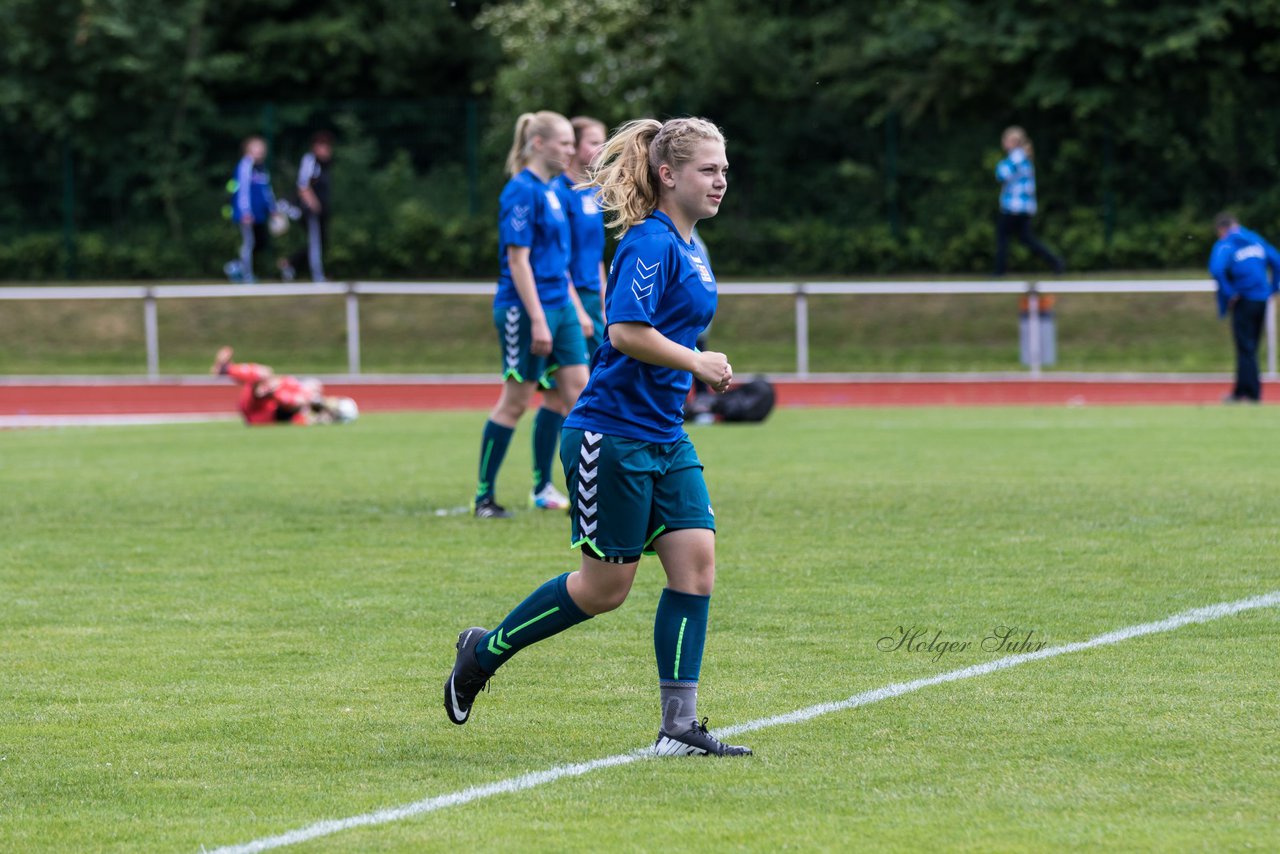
x,y
541,344
714,369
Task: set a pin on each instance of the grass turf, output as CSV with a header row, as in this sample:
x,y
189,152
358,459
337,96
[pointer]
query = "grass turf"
x,y
406,334
213,634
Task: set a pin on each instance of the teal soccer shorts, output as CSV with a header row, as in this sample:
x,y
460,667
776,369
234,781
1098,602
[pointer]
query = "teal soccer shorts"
x,y
515,336
625,493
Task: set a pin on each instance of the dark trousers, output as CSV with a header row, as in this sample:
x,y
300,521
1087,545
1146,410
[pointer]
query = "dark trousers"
x,y
1247,318
1019,226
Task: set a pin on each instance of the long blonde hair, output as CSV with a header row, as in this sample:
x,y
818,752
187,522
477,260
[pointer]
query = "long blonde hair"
x,y
529,125
626,169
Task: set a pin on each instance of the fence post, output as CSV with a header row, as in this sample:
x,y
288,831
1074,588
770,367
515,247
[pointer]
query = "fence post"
x,y
1033,330
152,328
802,331
353,330
1271,339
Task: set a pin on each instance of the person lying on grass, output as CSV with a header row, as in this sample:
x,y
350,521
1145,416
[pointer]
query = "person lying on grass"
x,y
268,398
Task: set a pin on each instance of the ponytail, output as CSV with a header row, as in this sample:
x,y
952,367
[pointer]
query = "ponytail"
x,y
626,169
528,126
628,182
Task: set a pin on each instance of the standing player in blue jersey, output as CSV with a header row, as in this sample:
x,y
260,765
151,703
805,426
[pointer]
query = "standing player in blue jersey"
x,y
1247,270
251,205
1017,176
635,477
586,228
539,332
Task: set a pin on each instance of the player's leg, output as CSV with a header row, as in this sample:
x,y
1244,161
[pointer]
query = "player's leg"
x,y
684,540
605,471
1028,238
315,245
494,441
261,249
520,370
1247,318
248,243
1004,224
562,381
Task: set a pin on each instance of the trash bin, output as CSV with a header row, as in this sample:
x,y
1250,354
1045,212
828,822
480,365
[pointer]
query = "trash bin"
x,y
1048,331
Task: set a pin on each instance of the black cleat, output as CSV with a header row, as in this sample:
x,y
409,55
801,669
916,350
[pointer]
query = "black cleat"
x,y
467,678
695,741
487,508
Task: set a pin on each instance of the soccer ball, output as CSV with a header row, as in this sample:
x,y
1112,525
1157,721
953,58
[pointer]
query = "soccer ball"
x,y
345,410
278,224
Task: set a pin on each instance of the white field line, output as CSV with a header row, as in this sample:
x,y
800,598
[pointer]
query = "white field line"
x,y
13,422
560,772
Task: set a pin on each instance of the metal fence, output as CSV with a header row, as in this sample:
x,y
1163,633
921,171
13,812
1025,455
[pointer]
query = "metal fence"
x,y
149,295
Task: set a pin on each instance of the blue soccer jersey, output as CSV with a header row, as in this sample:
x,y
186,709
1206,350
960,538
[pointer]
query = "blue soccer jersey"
x,y
586,233
530,214
662,280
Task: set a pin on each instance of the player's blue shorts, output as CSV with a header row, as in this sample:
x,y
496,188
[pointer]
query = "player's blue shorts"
x,y
515,337
625,493
592,305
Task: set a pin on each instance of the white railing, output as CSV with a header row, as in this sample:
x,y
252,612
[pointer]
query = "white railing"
x,y
800,291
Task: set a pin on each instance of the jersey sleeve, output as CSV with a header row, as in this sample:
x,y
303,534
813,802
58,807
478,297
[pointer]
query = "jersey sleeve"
x,y
306,170
641,271
517,216
1218,260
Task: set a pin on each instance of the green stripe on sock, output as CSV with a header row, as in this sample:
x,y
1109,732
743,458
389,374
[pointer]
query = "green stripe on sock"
x,y
528,623
679,642
483,488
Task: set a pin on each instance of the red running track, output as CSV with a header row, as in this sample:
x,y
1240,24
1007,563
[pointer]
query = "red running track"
x,y
33,399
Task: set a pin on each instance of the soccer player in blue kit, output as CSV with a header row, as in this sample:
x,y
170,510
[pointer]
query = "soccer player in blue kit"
x,y
539,331
635,478
586,227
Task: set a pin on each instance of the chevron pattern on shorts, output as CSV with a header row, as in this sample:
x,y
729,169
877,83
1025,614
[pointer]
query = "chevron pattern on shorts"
x,y
511,340
586,503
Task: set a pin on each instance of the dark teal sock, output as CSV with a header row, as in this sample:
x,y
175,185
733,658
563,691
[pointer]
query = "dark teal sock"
x,y
546,430
493,448
679,633
546,612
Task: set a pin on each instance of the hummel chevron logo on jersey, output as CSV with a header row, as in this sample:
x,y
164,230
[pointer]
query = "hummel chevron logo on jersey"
x,y
639,286
519,217
587,507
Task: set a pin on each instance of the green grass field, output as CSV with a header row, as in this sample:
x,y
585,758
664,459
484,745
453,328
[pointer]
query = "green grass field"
x,y
426,335
211,634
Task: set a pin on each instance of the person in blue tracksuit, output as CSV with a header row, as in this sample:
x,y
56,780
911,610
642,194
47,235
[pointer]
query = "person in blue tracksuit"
x,y
252,203
586,228
1017,176
635,477
1247,270
539,329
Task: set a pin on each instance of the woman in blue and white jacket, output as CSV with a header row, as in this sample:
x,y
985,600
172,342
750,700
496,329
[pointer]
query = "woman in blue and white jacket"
x,y
1017,176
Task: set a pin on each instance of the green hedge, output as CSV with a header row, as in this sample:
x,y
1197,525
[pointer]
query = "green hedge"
x,y
415,242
